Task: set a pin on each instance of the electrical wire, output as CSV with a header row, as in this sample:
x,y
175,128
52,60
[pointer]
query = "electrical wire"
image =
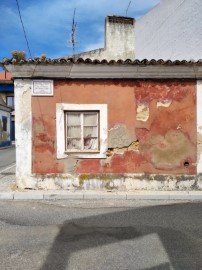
x,y
23,29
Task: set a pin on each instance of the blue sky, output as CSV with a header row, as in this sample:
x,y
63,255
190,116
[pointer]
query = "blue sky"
x,y
48,24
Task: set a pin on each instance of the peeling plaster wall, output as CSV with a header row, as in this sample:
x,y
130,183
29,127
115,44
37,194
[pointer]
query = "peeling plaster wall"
x,y
23,129
151,131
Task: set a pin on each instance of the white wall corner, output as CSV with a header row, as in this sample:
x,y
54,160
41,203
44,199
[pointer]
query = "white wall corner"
x,y
60,131
199,126
23,131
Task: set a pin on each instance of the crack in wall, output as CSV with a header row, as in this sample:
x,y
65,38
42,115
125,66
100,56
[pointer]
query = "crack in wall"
x,y
134,146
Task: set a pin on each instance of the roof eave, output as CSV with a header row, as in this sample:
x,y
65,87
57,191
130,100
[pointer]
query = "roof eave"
x,y
104,71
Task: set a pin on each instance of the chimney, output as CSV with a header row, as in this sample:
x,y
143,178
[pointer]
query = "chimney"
x,y
120,37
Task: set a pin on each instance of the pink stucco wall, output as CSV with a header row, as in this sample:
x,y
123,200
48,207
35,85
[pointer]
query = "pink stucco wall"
x,y
157,117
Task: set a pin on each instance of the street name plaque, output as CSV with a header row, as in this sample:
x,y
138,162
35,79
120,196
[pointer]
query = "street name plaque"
x,y
42,88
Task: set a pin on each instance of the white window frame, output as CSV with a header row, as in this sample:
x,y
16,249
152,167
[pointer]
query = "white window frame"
x,y
61,108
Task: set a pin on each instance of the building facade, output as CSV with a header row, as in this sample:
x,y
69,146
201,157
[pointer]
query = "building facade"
x,y
7,116
125,125
7,94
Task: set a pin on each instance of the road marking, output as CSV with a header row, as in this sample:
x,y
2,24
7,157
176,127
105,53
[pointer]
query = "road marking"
x,y
8,168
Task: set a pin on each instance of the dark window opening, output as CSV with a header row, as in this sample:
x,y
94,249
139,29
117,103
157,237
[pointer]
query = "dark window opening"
x,y
4,121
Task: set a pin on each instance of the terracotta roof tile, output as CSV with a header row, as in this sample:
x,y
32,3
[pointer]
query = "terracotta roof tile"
x,y
39,61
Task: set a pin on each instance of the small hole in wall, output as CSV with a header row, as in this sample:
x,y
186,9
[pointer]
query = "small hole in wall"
x,y
186,164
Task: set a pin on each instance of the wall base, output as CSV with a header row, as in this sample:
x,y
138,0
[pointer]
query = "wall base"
x,y
110,182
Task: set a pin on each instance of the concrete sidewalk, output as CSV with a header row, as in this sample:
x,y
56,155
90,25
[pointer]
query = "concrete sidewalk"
x,y
9,191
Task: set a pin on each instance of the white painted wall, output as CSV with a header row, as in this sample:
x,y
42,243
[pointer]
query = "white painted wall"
x,y
23,132
199,132
172,30
119,41
199,127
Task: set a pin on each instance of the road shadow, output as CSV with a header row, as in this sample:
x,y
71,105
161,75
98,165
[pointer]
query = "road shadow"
x,y
8,173
177,239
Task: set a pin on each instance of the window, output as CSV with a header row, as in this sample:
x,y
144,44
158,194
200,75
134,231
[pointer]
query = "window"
x,y
81,130
10,101
4,122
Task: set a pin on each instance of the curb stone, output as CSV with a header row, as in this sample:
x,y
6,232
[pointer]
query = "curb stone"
x,y
63,196
92,195
148,196
28,196
6,196
104,196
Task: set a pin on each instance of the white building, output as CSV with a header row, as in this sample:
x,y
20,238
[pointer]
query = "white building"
x,y
171,30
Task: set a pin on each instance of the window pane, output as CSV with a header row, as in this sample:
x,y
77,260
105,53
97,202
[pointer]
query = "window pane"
x,y
90,143
90,132
90,119
73,119
4,120
74,132
81,131
74,144
10,101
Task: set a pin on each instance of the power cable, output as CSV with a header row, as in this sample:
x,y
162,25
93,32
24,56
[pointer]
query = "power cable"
x,y
23,29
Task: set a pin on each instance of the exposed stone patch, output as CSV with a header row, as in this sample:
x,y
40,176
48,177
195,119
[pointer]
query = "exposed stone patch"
x,y
142,113
119,137
70,165
164,103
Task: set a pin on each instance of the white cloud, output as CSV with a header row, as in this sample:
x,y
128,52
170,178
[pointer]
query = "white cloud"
x,y
48,23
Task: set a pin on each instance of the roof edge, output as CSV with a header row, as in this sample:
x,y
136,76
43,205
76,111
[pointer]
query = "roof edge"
x,y
73,60
115,70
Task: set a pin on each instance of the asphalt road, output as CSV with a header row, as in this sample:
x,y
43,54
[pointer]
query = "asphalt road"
x,y
125,235
7,158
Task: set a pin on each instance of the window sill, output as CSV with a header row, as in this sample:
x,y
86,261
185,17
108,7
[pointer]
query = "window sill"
x,y
81,155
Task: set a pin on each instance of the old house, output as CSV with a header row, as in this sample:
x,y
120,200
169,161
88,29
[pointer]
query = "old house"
x,y
117,125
